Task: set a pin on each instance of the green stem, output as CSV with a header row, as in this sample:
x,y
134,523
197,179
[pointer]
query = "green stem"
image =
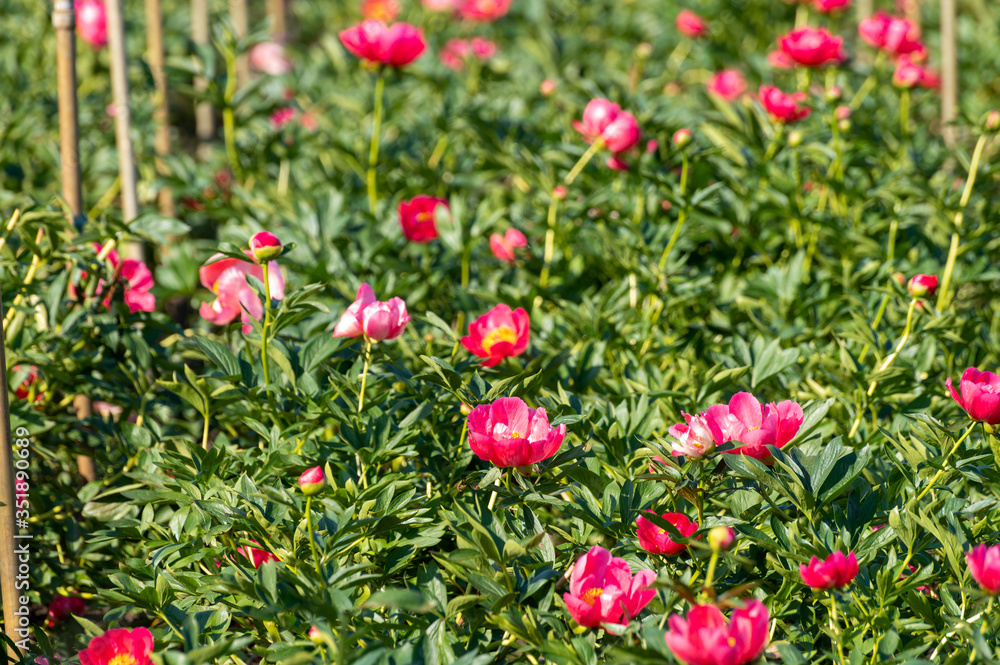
x,y
312,539
899,347
945,463
904,118
773,147
204,435
836,628
364,373
267,323
550,237
597,145
977,154
373,149
681,217
228,119
712,563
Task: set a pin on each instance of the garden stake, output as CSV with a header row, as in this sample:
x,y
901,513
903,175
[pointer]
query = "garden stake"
x,y
8,529
241,25
970,181
64,22
373,149
204,118
161,108
276,12
949,73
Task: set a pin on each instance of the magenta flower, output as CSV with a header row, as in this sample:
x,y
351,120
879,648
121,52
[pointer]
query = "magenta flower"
x,y
92,22
483,11
499,333
603,590
265,246
509,434
655,540
984,566
376,320
605,121
812,47
269,58
227,279
396,46
504,246
312,481
754,425
119,646
782,107
727,84
835,572
690,24
979,395
705,638
894,35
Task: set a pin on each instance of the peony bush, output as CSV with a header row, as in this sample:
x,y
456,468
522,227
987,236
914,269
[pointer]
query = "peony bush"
x,y
686,352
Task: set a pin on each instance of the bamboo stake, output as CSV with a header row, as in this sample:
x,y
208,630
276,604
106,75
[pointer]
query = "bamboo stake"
x,y
911,10
276,12
8,526
161,110
204,118
865,9
949,72
64,22
241,25
123,113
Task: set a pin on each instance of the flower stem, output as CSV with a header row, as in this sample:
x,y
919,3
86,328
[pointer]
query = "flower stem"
x,y
835,627
312,539
228,120
267,323
597,145
376,132
904,119
977,154
364,373
899,347
945,463
681,217
712,563
550,237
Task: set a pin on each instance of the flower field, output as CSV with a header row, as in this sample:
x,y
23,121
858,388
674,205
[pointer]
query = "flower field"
x,y
501,331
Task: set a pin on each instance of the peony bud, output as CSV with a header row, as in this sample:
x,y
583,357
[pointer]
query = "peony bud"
x,y
842,112
844,125
315,636
833,94
992,123
547,87
922,286
559,193
265,247
312,481
682,137
795,138
721,538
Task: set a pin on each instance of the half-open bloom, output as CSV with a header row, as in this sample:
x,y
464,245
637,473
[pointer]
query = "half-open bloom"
x,y
694,437
909,74
62,607
728,84
257,557
782,107
396,46
24,389
376,320
753,424
893,34
922,286
265,246
603,590
836,571
979,395
705,638
269,58
655,540
509,434
416,217
984,566
120,646
812,47
831,6
498,334
690,24
483,11
134,280
227,279
504,246
92,22
604,120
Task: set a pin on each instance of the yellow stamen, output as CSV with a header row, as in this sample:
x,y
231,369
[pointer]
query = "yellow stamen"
x,y
732,641
500,334
591,595
122,659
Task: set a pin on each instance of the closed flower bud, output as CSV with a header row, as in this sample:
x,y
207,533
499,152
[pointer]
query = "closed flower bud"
x,y
795,138
315,636
992,123
833,94
265,246
559,193
721,538
547,87
922,286
312,481
682,137
844,125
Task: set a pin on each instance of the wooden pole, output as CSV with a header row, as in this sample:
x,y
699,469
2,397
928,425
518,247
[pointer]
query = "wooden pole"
x,y
949,72
276,12
123,113
161,110
64,22
865,8
8,525
241,25
204,118
911,10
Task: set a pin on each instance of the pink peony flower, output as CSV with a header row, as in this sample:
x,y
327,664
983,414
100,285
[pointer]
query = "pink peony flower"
x,y
721,538
728,84
980,395
62,607
282,117
395,46
690,24
92,22
547,87
269,58
498,334
782,107
257,557
694,437
605,121
454,53
754,425
984,566
23,390
892,34
909,74
922,286
483,11
120,646
134,278
812,47
831,6
603,590
705,638
780,60
377,321
616,163
312,481
509,434
655,540
380,10
483,49
416,216
440,5
835,572
227,279
504,246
